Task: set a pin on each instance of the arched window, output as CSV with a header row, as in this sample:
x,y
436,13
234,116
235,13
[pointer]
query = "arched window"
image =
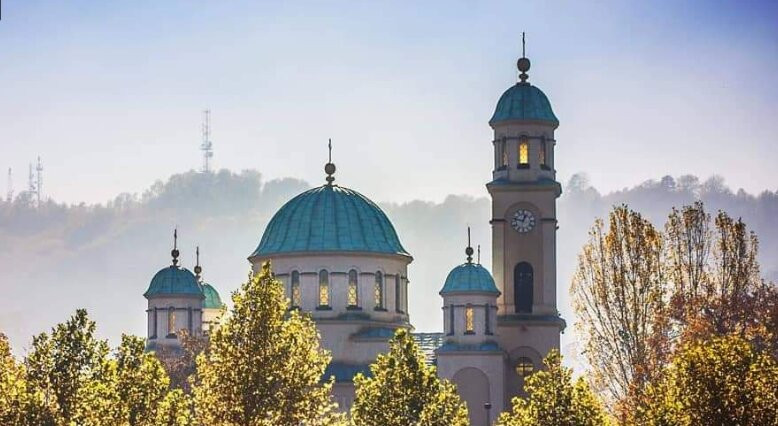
x,y
324,288
398,295
469,320
379,290
171,322
504,154
296,296
522,287
524,367
523,154
353,290
542,152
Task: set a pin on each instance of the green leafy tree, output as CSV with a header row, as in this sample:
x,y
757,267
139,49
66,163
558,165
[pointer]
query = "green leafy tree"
x,y
553,399
404,390
175,410
141,382
19,403
64,366
264,365
724,381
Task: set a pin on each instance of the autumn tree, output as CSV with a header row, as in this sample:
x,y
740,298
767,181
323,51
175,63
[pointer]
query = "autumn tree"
x,y
181,364
716,285
404,391
618,291
554,399
723,381
141,382
264,365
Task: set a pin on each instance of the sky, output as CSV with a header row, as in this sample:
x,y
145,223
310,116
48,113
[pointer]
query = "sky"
x,y
110,94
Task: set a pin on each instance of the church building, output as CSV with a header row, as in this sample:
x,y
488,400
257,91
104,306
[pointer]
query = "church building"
x,y
341,260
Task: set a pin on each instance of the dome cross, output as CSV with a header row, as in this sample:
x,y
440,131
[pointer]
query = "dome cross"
x,y
329,168
175,251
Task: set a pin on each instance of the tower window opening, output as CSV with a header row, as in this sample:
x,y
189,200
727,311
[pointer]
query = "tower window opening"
x,y
523,281
295,290
398,296
353,293
524,367
451,319
171,322
469,320
542,153
324,288
487,326
502,154
523,154
379,290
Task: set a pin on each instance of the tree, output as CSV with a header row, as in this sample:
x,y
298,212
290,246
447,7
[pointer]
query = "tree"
x,y
404,390
618,291
141,382
264,365
553,399
716,286
724,381
181,365
175,410
61,367
19,405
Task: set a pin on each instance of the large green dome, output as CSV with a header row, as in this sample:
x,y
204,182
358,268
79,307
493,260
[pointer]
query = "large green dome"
x,y
329,218
524,102
173,280
469,278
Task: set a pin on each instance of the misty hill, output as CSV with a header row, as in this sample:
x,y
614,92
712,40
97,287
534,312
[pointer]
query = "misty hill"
x,y
59,257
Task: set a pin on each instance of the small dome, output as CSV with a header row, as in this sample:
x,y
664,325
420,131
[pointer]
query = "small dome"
x,y
212,299
469,278
523,101
329,218
173,280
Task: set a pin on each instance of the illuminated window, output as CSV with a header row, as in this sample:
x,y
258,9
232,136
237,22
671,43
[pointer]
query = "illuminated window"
x,y
524,367
523,153
324,288
295,290
379,290
542,152
353,297
469,323
171,322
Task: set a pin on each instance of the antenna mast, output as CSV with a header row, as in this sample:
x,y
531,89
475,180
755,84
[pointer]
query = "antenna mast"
x,y
31,182
39,185
207,146
9,196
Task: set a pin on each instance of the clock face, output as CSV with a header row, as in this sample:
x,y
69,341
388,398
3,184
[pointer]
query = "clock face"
x,y
523,221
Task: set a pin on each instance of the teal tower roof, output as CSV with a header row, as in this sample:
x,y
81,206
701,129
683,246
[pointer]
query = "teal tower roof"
x,y
523,102
212,299
173,280
329,218
469,278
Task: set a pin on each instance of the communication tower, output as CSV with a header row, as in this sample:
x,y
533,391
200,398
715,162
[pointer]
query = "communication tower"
x,y
207,146
9,196
39,184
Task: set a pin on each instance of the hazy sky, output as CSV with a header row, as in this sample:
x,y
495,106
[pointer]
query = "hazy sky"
x,y
110,93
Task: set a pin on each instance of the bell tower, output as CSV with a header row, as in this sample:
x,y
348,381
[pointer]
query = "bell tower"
x,y
524,192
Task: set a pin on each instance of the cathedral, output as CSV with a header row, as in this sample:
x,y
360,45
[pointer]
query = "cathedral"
x,y
341,260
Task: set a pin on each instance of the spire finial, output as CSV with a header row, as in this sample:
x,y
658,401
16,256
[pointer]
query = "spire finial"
x,y
329,168
523,63
175,252
198,269
479,254
469,250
